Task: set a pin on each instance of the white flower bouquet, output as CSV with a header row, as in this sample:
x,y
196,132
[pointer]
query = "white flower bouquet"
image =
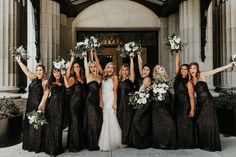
x,y
37,119
86,46
139,98
159,90
175,43
19,52
233,58
60,64
129,48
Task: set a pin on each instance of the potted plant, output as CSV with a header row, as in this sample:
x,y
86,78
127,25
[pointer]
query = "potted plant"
x,y
10,123
226,112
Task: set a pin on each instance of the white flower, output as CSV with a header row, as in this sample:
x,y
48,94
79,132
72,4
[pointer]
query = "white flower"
x,y
86,41
141,95
161,90
139,101
144,100
176,47
178,40
160,97
234,57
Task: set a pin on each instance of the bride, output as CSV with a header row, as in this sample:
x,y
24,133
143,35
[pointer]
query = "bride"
x,y
110,136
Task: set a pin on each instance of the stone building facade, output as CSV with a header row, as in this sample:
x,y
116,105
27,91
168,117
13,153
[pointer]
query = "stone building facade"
x,y
49,28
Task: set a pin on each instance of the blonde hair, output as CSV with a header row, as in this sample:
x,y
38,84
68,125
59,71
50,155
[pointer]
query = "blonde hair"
x,y
92,62
105,71
125,65
163,76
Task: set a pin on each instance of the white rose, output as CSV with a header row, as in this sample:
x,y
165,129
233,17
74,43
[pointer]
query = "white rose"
x,y
178,40
144,100
139,101
176,47
161,90
127,48
86,41
234,56
160,97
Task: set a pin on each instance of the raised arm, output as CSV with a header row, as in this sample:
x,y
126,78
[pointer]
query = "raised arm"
x,y
115,86
214,71
191,98
177,63
140,64
72,58
132,73
86,68
99,67
30,75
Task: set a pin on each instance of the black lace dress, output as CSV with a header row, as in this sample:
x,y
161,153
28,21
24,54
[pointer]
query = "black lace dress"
x,y
163,124
52,137
75,139
206,121
184,124
93,116
125,111
32,138
140,133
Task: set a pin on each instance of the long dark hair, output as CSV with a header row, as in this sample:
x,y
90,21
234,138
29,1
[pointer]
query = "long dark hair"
x,y
53,79
179,75
149,66
73,74
198,71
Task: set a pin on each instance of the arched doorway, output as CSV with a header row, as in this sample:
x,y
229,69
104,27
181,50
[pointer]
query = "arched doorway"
x,y
118,22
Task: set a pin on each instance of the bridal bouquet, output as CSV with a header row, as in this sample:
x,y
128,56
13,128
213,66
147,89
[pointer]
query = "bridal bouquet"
x,y
139,98
60,64
19,52
129,48
233,58
159,90
86,46
175,43
36,119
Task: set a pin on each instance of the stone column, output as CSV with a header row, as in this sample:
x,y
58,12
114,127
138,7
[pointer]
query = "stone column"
x,y
49,32
63,39
229,46
8,36
173,27
189,20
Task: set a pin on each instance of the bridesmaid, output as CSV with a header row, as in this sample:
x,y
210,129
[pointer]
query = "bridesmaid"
x,y
163,124
32,138
125,111
207,134
75,80
54,95
184,105
141,125
93,112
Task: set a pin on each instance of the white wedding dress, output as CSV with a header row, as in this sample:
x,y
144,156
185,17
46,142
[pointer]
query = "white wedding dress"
x,y
110,136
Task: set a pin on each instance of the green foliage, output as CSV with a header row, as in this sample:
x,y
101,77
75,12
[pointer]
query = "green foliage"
x,y
8,108
227,99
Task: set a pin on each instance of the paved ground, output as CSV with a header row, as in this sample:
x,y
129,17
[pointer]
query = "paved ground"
x,y
228,145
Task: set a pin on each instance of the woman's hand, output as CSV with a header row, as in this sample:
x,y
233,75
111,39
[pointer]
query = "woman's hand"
x,y
191,113
115,107
72,53
41,108
131,55
18,59
84,54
